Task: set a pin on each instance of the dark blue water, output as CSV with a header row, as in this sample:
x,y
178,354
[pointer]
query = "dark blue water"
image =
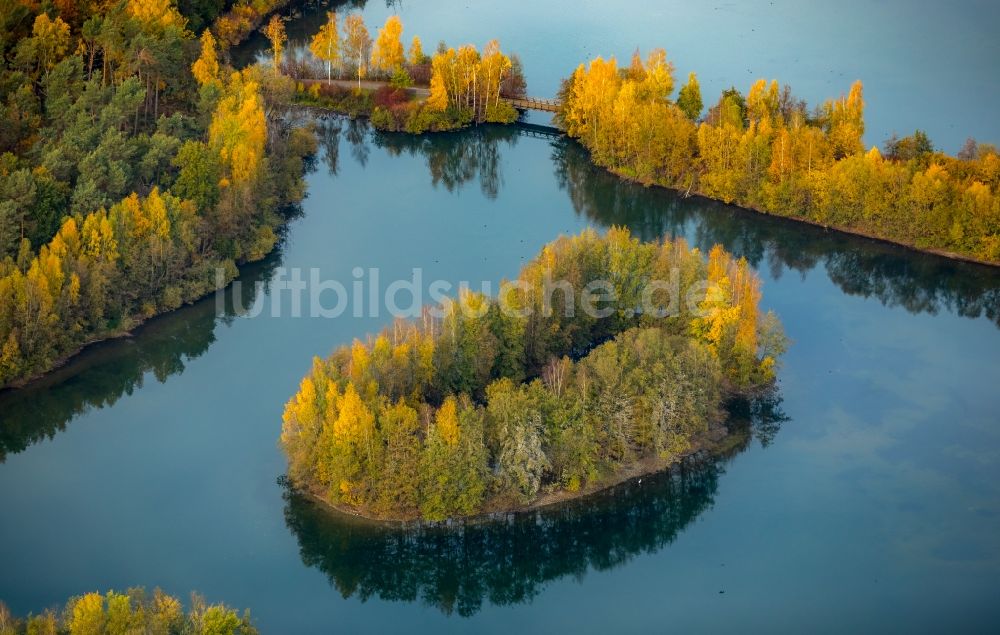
x,y
869,499
875,503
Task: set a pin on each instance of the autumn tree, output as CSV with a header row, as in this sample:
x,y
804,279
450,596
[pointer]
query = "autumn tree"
x,y
658,82
325,45
494,66
766,151
689,99
438,99
387,54
206,67
470,81
356,45
275,32
153,13
122,184
238,130
454,464
415,56
50,40
351,444
134,610
845,124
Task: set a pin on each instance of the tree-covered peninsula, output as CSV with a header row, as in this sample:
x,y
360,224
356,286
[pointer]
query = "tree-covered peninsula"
x,y
550,388
454,87
766,151
134,167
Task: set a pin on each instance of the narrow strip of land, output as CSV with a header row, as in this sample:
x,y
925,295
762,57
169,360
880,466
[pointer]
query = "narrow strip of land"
x,y
423,92
352,84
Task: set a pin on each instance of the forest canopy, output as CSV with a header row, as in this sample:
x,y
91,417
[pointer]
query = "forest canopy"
x,y
134,167
486,408
134,611
766,151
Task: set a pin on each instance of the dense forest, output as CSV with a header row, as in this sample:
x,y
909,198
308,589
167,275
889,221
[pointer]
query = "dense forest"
x,y
499,400
765,150
134,168
464,85
134,611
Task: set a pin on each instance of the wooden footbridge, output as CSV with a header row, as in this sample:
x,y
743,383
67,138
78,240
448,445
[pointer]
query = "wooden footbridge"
x,y
521,103
533,103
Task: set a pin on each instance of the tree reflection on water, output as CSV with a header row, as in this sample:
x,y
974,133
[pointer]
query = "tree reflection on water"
x,y
507,558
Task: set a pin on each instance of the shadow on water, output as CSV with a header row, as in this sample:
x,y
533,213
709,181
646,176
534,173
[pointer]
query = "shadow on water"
x,y
508,558
104,372
455,159
895,276
302,20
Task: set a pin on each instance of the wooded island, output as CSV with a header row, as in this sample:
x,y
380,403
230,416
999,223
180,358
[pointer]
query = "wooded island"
x,y
500,401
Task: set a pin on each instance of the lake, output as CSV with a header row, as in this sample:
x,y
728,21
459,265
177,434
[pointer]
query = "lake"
x,y
925,65
868,498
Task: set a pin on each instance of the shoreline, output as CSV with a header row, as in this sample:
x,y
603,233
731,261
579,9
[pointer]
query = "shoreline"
x,y
137,322
66,359
849,231
712,443
312,108
110,336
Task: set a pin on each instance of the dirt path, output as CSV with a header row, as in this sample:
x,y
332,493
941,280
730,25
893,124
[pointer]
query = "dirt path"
x,y
418,91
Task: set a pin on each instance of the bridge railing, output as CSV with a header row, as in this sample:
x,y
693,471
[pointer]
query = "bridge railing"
x,y
531,103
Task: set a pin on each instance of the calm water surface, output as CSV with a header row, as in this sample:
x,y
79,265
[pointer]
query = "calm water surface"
x,y
925,64
869,498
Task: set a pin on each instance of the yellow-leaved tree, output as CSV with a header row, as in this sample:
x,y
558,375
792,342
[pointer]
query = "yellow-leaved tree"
x,y
494,67
658,82
206,67
51,39
353,444
387,55
446,421
845,122
155,13
275,32
356,44
416,54
438,99
325,45
238,130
